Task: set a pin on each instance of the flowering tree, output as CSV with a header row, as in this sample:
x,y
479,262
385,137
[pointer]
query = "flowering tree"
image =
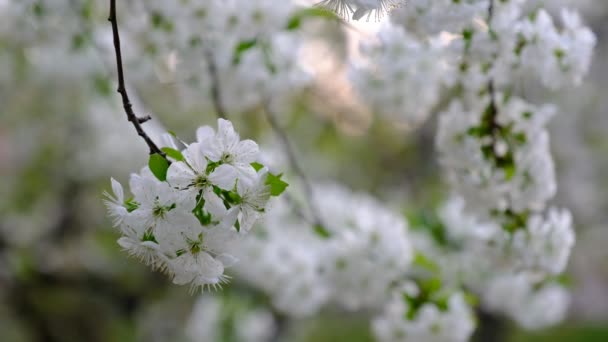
x,y
219,207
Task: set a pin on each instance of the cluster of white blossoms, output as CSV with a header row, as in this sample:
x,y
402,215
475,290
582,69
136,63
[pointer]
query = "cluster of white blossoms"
x,y
250,48
184,217
419,314
362,248
430,46
497,154
429,17
481,257
494,146
294,284
400,76
368,247
565,52
531,302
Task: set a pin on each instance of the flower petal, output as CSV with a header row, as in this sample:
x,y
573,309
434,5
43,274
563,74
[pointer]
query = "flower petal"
x,y
118,191
204,133
226,136
195,157
224,176
246,151
180,175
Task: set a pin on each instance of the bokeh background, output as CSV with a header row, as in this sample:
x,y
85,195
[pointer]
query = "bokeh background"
x,y
63,135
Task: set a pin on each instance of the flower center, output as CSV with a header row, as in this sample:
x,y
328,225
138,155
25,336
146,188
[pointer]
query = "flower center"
x,y
201,181
227,158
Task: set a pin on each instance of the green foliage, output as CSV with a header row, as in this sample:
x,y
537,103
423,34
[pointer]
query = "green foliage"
x,y
257,166
173,153
425,263
322,231
241,48
203,217
276,184
159,166
295,21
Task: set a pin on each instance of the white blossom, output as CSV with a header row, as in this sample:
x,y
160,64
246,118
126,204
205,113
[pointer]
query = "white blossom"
x,y
400,76
186,224
429,322
531,303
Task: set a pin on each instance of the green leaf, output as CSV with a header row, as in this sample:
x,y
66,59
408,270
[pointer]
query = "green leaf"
x,y
471,299
276,184
257,166
310,12
322,231
241,48
422,261
173,153
212,166
102,84
159,166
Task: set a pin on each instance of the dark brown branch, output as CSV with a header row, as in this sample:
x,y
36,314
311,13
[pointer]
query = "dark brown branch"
x,y
216,94
126,103
295,165
494,126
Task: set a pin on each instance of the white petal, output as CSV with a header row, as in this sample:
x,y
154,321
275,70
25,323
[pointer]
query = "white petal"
x,y
248,218
118,191
180,175
224,176
126,243
246,151
184,269
210,269
219,240
227,260
247,176
214,205
195,157
212,149
167,140
230,218
226,135
204,133
143,189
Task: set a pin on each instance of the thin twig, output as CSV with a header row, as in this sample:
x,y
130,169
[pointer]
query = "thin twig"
x,y
491,88
216,94
295,165
126,103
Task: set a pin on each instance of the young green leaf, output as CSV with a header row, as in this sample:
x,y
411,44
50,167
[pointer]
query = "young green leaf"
x,y
159,166
322,231
257,166
173,153
310,12
276,184
241,48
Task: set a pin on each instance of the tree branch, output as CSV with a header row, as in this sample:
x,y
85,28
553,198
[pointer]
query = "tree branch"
x,y
126,103
295,165
216,95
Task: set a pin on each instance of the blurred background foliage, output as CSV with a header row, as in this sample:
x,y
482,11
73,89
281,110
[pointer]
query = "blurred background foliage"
x,y
63,134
